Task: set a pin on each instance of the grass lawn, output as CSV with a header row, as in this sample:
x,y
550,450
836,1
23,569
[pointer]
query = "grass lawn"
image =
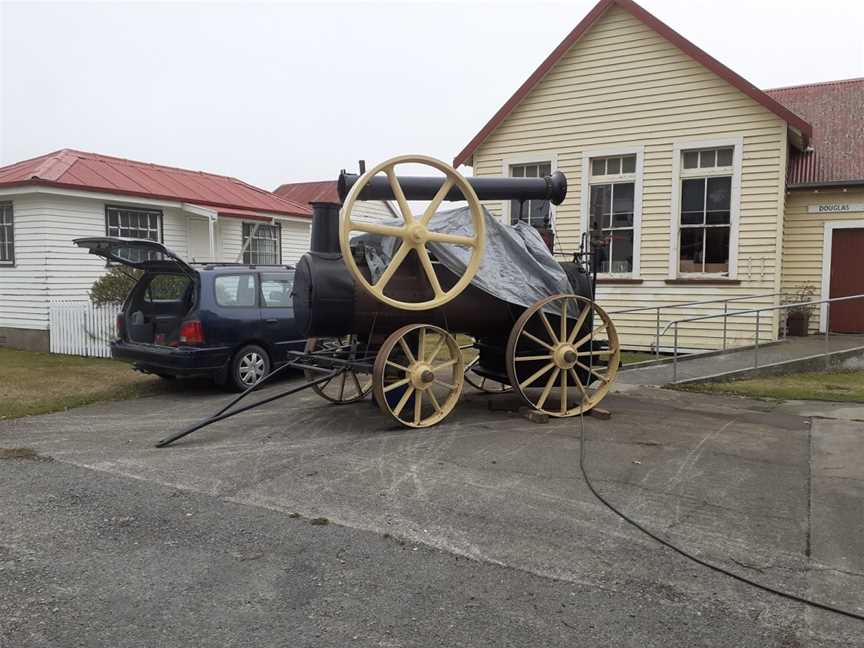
x,y
838,386
632,357
36,383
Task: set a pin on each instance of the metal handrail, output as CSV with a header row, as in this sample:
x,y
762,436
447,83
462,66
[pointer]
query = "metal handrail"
x,y
758,312
657,309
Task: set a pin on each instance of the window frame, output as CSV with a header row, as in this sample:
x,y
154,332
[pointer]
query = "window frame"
x,y
11,262
521,159
679,174
637,178
151,210
248,250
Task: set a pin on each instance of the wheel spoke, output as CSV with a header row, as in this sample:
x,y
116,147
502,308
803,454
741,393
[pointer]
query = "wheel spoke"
x,y
407,351
532,358
377,228
357,383
404,207
342,386
548,326
537,340
590,336
418,406
579,322
396,384
434,400
444,384
398,366
531,379
563,335
401,404
436,351
436,201
444,365
595,353
455,239
563,392
548,388
578,384
426,262
603,378
392,267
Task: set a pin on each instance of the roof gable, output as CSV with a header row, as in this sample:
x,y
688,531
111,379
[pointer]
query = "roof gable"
x,y
599,10
73,169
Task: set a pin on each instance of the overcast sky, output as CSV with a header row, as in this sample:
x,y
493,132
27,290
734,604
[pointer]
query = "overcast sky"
x,y
279,92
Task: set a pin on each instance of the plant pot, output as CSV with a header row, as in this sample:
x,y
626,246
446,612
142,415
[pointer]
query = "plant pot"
x,y
797,324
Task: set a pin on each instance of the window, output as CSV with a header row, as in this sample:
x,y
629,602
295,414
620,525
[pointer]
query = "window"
x,y
264,244
705,218
276,290
612,212
236,290
135,223
533,212
167,287
7,235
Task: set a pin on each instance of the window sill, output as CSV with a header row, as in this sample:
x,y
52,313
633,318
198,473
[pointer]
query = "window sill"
x,y
617,281
712,281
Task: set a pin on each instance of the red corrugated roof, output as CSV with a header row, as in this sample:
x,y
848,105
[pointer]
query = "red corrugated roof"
x,y
309,192
666,32
73,169
836,110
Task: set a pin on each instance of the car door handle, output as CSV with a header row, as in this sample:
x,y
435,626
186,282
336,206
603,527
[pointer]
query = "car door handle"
x,y
271,320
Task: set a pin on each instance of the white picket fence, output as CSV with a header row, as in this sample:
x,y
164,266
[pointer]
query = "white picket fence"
x,y
80,328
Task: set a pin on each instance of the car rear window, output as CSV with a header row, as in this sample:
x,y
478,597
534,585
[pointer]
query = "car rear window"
x,y
167,287
276,289
236,290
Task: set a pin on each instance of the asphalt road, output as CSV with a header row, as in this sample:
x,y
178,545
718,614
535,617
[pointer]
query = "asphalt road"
x,y
480,532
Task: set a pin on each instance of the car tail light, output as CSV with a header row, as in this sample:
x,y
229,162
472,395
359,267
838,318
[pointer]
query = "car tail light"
x,y
191,332
121,325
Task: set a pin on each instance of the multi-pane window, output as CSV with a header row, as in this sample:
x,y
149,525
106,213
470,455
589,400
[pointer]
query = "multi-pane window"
x,y
533,212
134,223
261,244
7,235
706,208
611,210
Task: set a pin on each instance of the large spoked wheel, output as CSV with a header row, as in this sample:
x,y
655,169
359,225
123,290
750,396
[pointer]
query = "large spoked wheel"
x,y
349,385
418,375
414,233
562,355
471,358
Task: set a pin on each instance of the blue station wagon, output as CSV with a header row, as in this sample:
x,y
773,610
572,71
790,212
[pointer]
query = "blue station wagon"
x,y
232,322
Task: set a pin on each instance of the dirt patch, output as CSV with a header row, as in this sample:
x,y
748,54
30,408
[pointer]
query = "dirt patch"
x,y
28,454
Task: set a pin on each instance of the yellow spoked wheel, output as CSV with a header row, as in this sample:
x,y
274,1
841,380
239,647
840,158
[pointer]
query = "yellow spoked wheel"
x,y
471,357
414,233
348,386
563,354
418,375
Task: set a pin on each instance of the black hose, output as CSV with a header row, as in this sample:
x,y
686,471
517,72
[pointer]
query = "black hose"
x,y
689,556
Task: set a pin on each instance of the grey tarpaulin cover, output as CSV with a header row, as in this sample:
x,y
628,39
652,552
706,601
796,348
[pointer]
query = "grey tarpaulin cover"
x,y
516,267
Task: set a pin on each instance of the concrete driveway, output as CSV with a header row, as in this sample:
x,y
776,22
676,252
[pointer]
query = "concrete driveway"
x,y
308,524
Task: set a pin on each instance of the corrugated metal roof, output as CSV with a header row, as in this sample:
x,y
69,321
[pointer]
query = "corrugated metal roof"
x,y
836,111
309,192
73,169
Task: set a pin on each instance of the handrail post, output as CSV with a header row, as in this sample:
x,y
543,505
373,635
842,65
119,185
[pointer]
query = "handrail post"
x,y
756,347
675,357
725,319
827,318
657,341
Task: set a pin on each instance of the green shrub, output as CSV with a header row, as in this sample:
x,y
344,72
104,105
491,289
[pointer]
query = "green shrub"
x,y
112,287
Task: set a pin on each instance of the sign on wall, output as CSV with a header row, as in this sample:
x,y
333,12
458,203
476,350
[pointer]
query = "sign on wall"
x,y
836,208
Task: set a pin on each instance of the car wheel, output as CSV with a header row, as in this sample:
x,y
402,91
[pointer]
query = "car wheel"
x,y
250,364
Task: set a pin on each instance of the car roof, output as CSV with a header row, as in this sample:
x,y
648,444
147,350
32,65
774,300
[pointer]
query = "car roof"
x,y
228,268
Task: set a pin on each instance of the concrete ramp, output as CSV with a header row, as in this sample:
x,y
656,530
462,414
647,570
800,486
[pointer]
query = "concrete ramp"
x,y
791,354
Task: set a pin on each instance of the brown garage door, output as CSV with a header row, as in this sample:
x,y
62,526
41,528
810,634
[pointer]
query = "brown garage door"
x,y
847,278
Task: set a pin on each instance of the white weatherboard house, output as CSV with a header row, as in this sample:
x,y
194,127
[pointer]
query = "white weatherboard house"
x,y
48,201
702,186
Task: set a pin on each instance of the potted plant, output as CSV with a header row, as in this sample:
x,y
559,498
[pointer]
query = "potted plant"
x,y
798,317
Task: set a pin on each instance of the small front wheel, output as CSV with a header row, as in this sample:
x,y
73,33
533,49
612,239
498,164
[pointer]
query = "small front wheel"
x,y
250,364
